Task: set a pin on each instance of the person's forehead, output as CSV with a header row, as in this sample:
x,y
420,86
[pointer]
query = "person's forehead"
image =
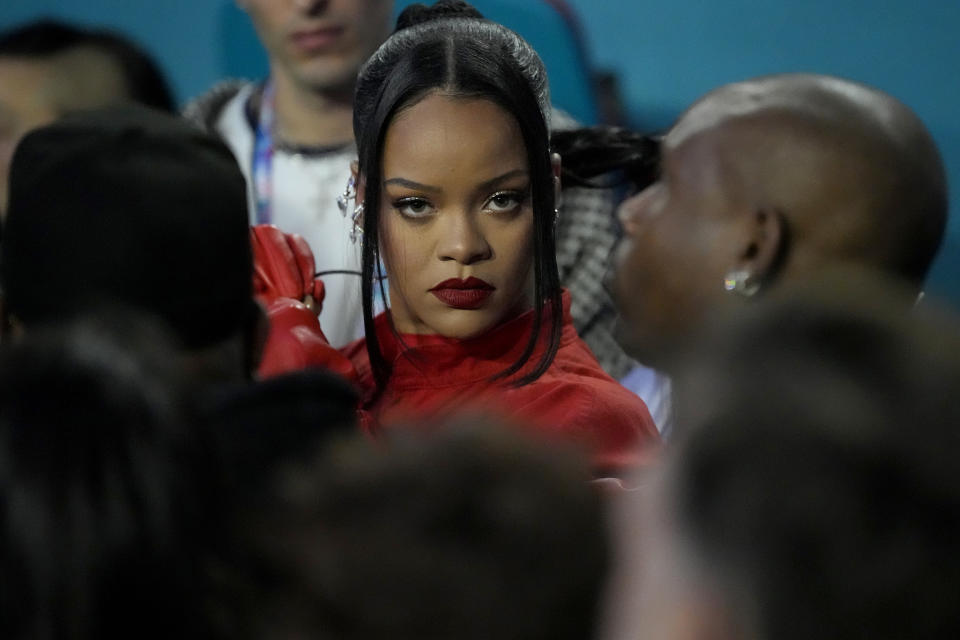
x,y
716,111
732,130
25,76
696,151
23,92
452,127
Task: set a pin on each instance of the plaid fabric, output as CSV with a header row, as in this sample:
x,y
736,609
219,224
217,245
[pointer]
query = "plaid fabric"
x,y
586,236
585,240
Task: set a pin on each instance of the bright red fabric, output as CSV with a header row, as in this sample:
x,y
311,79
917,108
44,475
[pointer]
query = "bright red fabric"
x,y
574,400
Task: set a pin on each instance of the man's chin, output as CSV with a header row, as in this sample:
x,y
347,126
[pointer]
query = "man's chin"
x,y
624,336
634,343
327,73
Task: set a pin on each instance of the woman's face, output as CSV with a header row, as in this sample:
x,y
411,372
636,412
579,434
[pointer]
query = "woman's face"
x,y
456,222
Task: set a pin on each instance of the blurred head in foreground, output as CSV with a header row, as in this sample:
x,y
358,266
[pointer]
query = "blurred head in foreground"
x,y
814,490
95,524
764,183
49,68
130,206
470,533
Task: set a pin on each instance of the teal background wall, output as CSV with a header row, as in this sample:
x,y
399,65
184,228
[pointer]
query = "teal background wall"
x,y
666,54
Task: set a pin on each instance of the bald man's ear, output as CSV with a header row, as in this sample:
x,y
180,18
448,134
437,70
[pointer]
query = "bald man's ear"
x,y
763,251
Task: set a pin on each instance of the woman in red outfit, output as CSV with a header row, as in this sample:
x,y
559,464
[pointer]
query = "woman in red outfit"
x,y
456,193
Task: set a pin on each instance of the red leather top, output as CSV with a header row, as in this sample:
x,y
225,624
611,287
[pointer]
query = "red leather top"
x,y
574,400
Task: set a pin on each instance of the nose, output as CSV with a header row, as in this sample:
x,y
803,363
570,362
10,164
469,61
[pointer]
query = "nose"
x,y
311,6
630,210
462,240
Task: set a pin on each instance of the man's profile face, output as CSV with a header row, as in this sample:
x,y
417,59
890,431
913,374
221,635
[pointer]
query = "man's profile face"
x,y
321,44
678,243
23,106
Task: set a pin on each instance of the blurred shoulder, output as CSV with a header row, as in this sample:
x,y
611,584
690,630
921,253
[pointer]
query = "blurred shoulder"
x,y
204,110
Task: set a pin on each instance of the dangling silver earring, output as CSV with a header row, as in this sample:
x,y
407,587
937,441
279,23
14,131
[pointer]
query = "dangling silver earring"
x,y
741,282
343,203
343,200
356,233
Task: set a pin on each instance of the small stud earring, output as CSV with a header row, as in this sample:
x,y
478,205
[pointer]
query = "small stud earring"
x,y
741,282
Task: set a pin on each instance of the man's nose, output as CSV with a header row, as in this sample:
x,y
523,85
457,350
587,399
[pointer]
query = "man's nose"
x,y
311,7
631,210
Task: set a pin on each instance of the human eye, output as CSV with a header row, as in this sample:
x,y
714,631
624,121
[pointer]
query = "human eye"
x,y
413,207
504,201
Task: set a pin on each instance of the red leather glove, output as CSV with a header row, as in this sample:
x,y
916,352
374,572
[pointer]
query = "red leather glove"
x,y
283,267
284,282
296,342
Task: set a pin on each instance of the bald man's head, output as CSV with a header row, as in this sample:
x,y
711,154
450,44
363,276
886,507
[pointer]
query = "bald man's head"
x,y
853,171
774,179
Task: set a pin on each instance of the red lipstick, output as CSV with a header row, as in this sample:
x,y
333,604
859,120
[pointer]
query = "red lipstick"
x,y
463,294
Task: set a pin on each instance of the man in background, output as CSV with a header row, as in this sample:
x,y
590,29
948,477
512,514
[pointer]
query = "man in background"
x,y
50,68
292,134
765,183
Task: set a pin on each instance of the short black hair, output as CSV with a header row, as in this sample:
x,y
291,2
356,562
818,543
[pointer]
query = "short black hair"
x,y
470,533
129,205
41,39
817,468
46,38
96,526
449,48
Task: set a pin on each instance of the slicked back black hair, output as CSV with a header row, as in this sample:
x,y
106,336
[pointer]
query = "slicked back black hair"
x,y
451,50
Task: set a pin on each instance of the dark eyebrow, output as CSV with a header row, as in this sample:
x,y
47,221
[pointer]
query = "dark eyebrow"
x,y
509,174
410,184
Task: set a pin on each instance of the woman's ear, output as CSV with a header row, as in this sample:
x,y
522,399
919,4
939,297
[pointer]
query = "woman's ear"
x,y
355,176
762,253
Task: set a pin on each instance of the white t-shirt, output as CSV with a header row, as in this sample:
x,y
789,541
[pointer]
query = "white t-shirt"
x,y
305,190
